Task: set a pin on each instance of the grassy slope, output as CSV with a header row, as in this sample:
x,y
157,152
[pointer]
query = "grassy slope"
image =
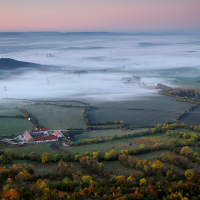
x,y
106,133
117,168
54,117
10,112
118,145
157,109
13,125
38,148
191,118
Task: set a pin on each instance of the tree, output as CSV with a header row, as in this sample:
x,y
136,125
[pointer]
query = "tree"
x,y
182,124
44,157
189,174
157,165
143,181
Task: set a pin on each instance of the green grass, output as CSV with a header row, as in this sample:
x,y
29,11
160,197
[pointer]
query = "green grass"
x,y
43,168
186,130
156,110
191,118
73,103
117,168
13,125
12,103
38,148
152,156
11,112
121,144
106,133
104,147
39,168
54,117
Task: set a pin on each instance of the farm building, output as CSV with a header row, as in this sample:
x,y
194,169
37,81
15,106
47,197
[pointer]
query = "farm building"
x,y
41,135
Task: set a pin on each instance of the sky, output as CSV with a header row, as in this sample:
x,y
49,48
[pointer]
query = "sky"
x,y
99,15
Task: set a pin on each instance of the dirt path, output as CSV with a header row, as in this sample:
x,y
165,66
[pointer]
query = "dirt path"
x,y
55,147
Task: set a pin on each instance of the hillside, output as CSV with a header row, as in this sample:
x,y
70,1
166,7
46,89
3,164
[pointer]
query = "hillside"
x,y
11,64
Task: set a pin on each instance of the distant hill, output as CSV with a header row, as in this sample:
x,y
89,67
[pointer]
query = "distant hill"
x,y
11,64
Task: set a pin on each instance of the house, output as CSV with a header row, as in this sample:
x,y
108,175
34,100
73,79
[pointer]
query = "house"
x,y
28,137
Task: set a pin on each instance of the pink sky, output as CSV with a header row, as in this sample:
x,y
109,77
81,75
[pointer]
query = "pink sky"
x,y
99,15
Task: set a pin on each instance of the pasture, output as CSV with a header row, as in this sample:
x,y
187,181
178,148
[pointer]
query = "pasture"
x,y
12,103
73,103
191,118
115,167
10,112
43,168
106,133
118,145
153,110
54,117
38,148
13,125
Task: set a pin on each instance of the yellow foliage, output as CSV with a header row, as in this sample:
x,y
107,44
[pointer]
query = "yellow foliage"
x,y
189,174
6,187
44,157
157,165
185,150
9,181
143,181
86,179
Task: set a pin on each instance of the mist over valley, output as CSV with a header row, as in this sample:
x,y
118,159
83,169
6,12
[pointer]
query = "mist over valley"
x,y
91,67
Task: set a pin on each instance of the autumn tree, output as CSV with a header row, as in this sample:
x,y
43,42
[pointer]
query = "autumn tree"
x,y
44,157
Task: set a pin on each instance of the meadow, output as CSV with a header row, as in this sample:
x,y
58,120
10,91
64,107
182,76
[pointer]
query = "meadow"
x,y
118,145
54,117
153,110
13,125
8,103
10,112
38,148
191,118
106,133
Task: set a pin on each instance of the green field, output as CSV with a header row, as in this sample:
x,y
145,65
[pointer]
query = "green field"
x,y
12,103
13,125
73,103
10,112
115,167
38,148
54,117
150,111
191,118
106,133
120,144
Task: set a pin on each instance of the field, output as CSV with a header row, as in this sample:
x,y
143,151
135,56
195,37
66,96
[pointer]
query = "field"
x,y
118,145
10,112
191,118
38,148
13,125
54,117
12,103
43,168
73,103
150,111
106,133
115,167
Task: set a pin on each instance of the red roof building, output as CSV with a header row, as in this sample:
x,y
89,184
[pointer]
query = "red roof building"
x,y
57,133
28,137
46,138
